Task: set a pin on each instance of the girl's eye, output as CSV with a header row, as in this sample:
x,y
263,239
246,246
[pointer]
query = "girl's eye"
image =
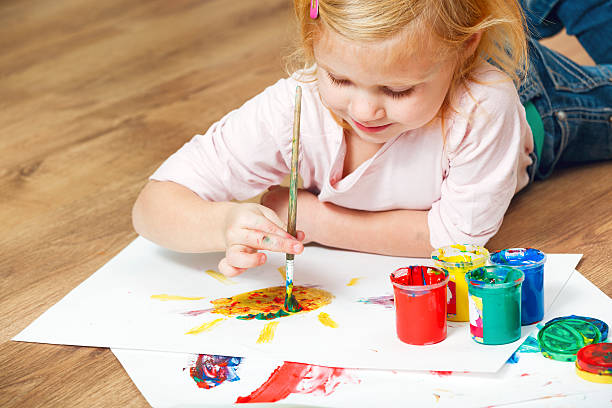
x,y
397,95
336,81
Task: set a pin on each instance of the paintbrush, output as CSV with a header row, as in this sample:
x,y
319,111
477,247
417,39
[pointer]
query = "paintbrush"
x,y
291,304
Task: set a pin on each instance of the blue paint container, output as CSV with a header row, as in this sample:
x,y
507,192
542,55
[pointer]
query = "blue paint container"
x,y
531,262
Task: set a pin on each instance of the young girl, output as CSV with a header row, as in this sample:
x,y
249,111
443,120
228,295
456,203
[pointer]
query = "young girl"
x,y
410,139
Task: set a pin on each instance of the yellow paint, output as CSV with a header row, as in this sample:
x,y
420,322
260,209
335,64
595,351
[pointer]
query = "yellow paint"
x,y
283,272
267,334
270,300
220,277
458,260
327,321
205,327
353,281
164,297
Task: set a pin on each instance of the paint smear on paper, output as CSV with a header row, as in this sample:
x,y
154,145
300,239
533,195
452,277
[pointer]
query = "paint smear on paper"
x,y
267,334
385,301
164,297
267,304
283,272
441,373
298,378
205,327
210,371
353,281
220,277
530,345
327,321
197,312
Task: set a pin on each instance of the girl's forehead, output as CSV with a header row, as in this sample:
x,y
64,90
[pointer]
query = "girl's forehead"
x,y
395,58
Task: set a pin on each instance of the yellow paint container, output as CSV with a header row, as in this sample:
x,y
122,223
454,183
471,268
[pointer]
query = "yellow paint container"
x,y
457,260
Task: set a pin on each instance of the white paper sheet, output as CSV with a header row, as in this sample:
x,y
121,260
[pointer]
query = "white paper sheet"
x,y
114,308
530,380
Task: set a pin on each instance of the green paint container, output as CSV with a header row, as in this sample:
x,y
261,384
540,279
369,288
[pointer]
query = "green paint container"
x,y
494,295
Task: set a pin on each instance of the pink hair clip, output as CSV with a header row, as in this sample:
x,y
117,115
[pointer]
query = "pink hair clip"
x,y
314,9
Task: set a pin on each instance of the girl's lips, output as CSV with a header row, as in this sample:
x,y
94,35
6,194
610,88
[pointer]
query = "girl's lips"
x,y
371,129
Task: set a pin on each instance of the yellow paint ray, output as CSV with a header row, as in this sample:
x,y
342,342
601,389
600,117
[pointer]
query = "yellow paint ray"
x,y
205,327
327,321
164,297
267,333
353,281
220,277
283,272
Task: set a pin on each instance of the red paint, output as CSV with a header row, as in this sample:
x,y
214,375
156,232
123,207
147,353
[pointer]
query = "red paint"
x,y
595,358
524,375
420,311
441,373
293,378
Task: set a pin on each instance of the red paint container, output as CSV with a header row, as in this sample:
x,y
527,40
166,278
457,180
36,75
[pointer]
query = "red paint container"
x,y
420,304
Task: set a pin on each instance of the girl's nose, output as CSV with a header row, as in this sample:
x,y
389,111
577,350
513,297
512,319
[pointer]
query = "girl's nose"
x,y
365,109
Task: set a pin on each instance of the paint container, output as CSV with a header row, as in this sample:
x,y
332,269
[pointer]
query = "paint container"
x,y
600,324
594,363
561,339
531,262
495,304
420,304
457,260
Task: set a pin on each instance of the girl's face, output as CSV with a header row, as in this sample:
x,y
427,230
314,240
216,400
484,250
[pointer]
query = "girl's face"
x,y
376,88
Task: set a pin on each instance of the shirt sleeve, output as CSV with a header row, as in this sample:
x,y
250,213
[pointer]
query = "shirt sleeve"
x,y
482,151
242,154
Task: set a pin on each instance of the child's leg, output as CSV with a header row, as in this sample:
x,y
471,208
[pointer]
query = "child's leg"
x,y
589,20
575,104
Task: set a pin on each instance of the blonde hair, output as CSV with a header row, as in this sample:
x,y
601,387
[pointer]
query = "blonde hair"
x,y
452,22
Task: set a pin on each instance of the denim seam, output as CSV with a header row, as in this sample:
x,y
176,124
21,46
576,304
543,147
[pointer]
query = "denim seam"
x,y
586,85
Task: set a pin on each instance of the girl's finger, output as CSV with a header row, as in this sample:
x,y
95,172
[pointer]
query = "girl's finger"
x,y
229,270
271,242
242,257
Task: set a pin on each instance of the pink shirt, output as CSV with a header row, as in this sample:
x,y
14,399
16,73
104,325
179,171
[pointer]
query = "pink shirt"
x,y
466,184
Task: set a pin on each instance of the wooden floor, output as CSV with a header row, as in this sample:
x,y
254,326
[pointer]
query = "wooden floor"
x,y
94,95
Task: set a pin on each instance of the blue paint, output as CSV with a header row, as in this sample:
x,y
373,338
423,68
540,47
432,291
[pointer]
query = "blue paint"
x,y
531,262
514,358
602,326
530,345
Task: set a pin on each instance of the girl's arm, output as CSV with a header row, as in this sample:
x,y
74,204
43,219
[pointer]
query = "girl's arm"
x,y
176,218
395,232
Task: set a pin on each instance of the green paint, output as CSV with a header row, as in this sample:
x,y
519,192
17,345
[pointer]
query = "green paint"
x,y
291,304
498,289
264,316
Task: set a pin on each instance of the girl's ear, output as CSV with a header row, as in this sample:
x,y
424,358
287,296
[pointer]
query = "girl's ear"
x,y
471,44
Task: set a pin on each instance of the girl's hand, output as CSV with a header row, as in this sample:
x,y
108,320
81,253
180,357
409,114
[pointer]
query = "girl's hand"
x,y
277,199
252,227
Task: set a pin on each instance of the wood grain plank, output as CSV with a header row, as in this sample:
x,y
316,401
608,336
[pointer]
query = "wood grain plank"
x,y
95,95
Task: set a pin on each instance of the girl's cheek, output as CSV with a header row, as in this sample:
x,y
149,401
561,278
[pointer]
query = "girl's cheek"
x,y
333,98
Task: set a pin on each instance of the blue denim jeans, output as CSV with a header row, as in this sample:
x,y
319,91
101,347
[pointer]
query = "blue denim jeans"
x,y
574,101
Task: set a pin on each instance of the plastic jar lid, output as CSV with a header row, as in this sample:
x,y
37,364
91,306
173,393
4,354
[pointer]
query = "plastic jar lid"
x,y
562,339
596,378
460,256
524,258
601,325
596,359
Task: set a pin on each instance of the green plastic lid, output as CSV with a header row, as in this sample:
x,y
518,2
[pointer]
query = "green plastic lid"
x,y
561,340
